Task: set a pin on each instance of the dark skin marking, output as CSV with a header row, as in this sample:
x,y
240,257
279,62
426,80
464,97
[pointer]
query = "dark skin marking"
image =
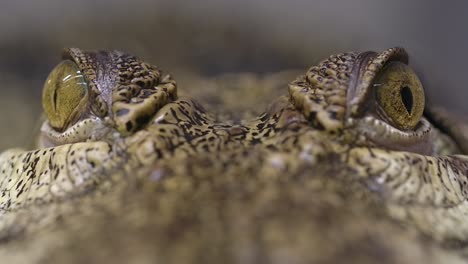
x,y
129,125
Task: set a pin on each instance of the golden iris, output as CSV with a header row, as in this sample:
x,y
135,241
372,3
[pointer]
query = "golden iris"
x,y
400,95
64,96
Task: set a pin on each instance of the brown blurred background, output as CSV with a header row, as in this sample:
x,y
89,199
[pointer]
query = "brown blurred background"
x,y
214,37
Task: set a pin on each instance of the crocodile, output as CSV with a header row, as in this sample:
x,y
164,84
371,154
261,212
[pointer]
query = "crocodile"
x,y
346,165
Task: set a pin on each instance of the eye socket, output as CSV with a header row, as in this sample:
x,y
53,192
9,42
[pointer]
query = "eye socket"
x,y
400,95
64,95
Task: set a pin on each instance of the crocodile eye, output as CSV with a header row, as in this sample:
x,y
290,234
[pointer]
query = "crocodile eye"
x,y
400,95
64,95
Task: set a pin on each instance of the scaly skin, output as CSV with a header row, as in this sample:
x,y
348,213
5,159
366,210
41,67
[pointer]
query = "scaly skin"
x,y
142,175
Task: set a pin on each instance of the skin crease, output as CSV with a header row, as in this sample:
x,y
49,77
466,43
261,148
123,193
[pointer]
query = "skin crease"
x,y
146,175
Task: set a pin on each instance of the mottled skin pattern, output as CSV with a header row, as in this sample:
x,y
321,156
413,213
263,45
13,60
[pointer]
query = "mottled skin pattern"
x,y
143,175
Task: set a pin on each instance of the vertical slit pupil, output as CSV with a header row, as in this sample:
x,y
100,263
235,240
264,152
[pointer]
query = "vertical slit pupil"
x,y
407,98
55,97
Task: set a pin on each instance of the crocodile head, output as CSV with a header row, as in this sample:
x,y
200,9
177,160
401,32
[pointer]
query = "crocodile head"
x,y
350,142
